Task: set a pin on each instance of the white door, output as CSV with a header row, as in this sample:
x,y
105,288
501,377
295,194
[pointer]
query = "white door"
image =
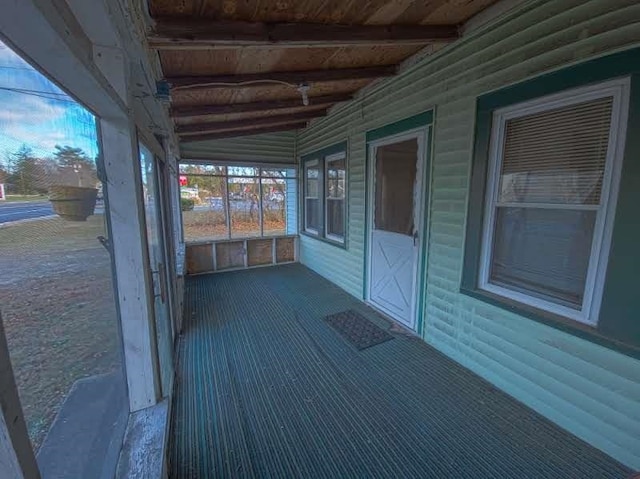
x,y
396,173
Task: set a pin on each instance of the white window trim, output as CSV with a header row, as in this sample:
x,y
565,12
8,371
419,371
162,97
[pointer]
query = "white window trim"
x,y
307,165
342,155
619,90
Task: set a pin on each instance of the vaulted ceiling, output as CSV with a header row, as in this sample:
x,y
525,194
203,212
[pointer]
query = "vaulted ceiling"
x,y
239,67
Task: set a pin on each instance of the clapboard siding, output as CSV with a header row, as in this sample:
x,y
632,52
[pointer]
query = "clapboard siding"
x,y
274,148
592,391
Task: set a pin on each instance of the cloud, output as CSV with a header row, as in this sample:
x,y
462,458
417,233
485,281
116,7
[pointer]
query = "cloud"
x,y
8,56
18,107
40,123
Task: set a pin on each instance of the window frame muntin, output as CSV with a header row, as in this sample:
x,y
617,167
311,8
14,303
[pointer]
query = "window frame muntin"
x,y
341,155
619,90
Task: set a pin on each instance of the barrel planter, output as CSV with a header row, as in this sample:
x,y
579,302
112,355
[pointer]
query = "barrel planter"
x,y
73,203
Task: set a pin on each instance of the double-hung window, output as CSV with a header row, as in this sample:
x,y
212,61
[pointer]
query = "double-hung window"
x,y
552,181
325,194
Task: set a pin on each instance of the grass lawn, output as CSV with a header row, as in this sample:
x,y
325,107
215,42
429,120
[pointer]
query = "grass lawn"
x,y
15,198
57,303
212,225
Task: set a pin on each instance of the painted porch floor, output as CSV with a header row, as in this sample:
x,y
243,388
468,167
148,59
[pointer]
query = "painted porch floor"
x,y
265,388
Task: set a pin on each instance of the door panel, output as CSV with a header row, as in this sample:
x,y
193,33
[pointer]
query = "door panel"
x,y
394,245
158,264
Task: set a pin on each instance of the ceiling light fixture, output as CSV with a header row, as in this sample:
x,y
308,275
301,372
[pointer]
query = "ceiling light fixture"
x,y
303,88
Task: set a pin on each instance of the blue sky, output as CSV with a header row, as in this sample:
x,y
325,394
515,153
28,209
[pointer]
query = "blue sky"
x,y
40,117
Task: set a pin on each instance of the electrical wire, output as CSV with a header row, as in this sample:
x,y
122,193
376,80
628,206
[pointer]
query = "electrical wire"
x,y
223,84
41,94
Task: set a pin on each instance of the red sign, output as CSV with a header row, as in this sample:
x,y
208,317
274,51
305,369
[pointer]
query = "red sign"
x,y
183,180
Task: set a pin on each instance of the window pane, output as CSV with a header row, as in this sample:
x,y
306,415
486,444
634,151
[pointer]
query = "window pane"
x,y
242,171
336,187
312,213
557,156
274,195
204,207
543,252
278,173
335,217
336,175
244,205
201,169
394,187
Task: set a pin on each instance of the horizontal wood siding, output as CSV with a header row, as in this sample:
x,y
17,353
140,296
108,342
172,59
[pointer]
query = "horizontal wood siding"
x,y
291,199
592,391
273,148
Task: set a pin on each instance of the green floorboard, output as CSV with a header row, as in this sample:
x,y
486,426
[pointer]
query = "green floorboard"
x,y
265,388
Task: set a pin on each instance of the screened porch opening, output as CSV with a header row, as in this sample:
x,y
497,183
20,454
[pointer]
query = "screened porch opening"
x,y
236,217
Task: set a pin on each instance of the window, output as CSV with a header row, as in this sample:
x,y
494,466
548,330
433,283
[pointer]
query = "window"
x,y
312,197
325,194
335,174
229,202
552,182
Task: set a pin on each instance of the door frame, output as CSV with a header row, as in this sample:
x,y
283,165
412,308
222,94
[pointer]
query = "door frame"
x,y
423,135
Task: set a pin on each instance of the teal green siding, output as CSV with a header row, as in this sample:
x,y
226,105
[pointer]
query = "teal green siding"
x,y
272,148
590,390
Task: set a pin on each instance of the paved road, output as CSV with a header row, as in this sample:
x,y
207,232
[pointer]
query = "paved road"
x,y
23,210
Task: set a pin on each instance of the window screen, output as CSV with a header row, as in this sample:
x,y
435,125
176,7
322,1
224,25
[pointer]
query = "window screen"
x,y
223,202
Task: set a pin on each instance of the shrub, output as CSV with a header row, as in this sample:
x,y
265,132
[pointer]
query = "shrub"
x,y
186,204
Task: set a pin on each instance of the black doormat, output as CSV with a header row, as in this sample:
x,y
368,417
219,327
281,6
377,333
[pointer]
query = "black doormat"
x,y
357,329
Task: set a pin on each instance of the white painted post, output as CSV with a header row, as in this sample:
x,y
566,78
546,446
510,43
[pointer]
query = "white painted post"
x,y
16,455
128,243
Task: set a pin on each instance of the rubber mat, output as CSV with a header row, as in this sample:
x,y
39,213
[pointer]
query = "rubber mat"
x,y
357,329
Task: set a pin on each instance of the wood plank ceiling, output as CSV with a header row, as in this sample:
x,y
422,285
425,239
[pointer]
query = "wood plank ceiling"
x,y
236,67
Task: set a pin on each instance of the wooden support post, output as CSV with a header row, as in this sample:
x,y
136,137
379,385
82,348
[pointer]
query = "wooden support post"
x,y
17,460
129,247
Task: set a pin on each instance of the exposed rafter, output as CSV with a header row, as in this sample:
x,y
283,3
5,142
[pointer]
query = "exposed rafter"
x,y
196,33
222,109
294,78
245,132
196,128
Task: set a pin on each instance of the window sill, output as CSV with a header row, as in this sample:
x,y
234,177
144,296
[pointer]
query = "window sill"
x,y
575,328
338,244
145,444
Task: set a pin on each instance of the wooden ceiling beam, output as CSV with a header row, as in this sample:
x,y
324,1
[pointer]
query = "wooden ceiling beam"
x,y
245,132
222,109
196,128
294,77
171,33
